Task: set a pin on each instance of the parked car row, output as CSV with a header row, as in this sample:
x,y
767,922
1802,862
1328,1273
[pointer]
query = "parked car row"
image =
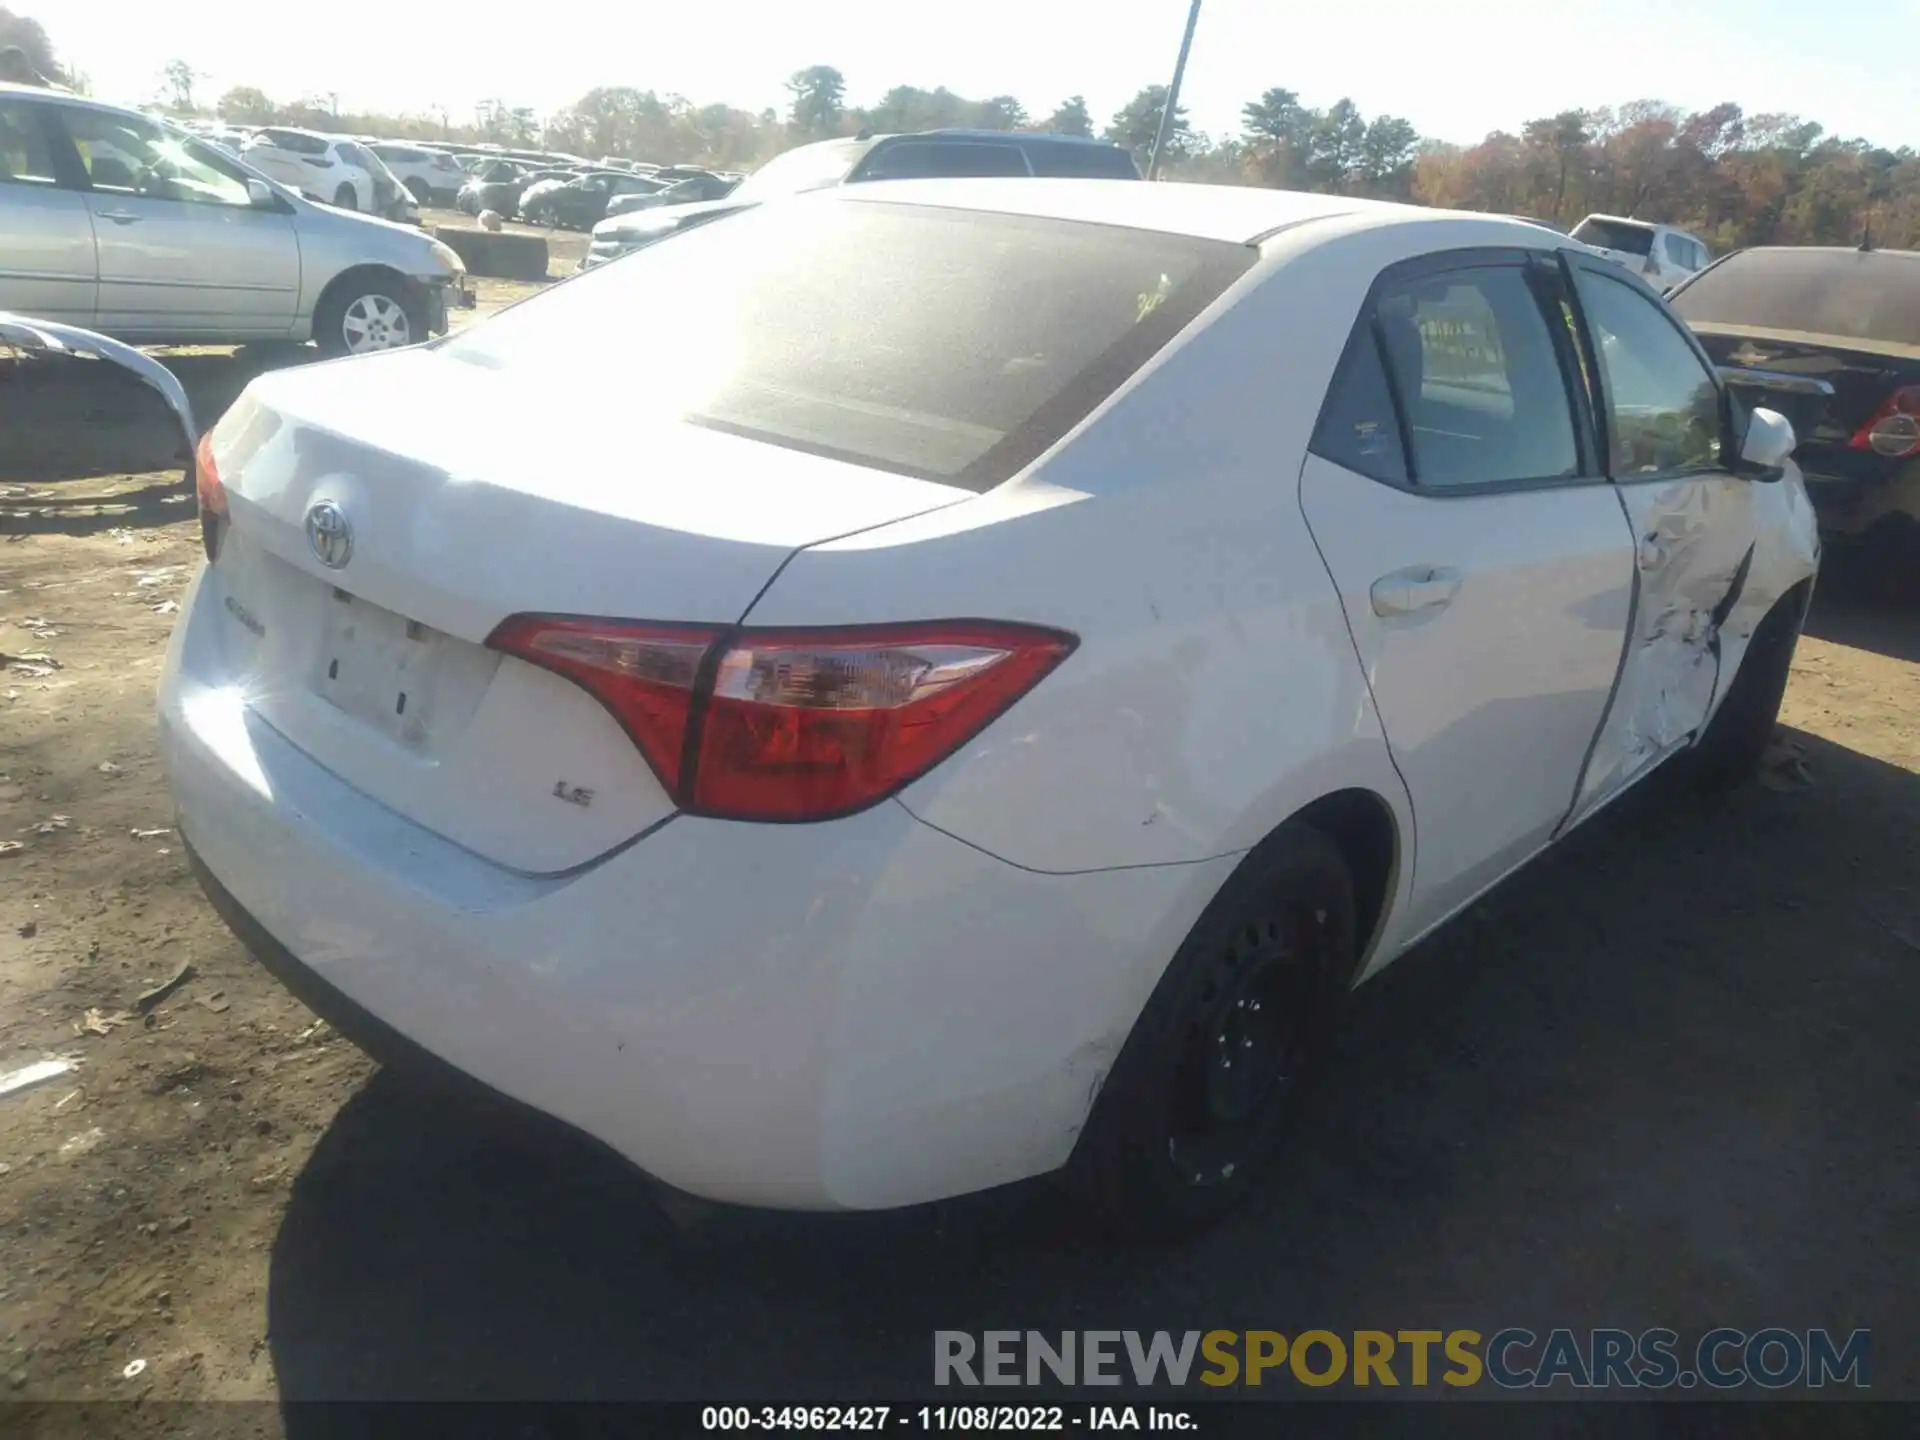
x,y
637,223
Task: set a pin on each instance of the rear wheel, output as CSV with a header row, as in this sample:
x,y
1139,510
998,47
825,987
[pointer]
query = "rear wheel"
x,y
346,199
1217,1062
1735,740
422,193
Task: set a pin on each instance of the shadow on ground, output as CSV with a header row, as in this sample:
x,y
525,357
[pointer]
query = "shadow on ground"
x,y
1661,1079
1849,609
74,419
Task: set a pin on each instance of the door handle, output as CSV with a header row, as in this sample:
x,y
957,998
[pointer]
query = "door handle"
x,y
1417,590
119,217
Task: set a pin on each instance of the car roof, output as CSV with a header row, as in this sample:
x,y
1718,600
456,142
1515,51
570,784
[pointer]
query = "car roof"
x,y
1235,213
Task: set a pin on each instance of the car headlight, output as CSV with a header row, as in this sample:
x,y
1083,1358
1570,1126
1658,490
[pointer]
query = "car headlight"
x,y
447,256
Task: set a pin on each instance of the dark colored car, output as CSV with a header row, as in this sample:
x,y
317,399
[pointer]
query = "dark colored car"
x,y
499,184
1830,338
691,190
928,154
581,204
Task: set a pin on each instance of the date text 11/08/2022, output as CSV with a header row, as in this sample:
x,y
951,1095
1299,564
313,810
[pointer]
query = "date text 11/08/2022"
x,y
935,1418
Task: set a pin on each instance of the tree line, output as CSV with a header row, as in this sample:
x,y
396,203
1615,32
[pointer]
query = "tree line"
x,y
1732,178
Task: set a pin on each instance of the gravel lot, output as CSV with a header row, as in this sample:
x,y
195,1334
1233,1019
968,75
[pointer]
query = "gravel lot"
x,y
1668,1076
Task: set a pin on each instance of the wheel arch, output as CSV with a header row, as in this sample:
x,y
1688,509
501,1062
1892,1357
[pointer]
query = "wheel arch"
x,y
355,275
1362,824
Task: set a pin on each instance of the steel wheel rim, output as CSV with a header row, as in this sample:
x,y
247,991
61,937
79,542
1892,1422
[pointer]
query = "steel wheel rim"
x,y
375,322
1246,1045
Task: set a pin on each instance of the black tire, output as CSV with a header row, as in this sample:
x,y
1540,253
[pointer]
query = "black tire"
x,y
1730,749
356,296
345,199
1176,1138
422,192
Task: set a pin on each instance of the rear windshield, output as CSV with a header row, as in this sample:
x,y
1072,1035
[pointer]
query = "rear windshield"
x,y
1615,235
1083,162
1870,296
944,344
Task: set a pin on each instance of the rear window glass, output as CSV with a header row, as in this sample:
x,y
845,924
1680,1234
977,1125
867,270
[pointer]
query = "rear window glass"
x,y
942,159
1870,296
949,345
295,142
1615,235
1083,162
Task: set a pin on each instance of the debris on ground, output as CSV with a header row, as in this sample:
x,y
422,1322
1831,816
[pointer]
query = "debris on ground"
x,y
217,1002
134,1370
27,930
84,1141
50,824
149,834
96,1022
153,997
107,767
28,1076
34,664
9,847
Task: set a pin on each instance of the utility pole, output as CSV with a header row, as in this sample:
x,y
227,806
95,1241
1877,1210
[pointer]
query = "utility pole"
x,y
1173,93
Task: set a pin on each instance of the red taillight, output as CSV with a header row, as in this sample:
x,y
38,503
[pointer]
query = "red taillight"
x,y
211,494
1894,429
792,724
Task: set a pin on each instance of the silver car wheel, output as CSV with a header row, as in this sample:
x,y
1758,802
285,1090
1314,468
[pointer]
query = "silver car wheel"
x,y
375,322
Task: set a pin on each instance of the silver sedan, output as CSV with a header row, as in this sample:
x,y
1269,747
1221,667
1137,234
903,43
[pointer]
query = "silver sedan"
x,y
112,221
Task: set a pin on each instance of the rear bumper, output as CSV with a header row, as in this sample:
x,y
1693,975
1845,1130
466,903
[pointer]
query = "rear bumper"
x,y
852,1015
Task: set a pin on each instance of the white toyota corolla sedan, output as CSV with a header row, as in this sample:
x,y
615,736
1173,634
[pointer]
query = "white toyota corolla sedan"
x,y
1036,646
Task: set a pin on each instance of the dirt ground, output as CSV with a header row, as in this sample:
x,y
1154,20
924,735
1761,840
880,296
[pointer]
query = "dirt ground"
x,y
1667,1076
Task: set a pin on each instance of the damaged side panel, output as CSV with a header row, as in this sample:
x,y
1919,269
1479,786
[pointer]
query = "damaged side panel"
x,y
1695,546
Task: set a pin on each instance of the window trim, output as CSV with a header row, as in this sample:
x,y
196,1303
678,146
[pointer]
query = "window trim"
x,y
1530,262
69,171
1573,263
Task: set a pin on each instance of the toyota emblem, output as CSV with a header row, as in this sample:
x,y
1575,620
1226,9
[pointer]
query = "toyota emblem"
x,y
329,534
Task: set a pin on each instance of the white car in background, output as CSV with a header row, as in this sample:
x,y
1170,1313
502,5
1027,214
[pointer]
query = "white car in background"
x,y
1660,254
326,168
1045,642
432,177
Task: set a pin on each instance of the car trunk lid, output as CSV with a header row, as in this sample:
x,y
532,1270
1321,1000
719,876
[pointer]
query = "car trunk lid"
x,y
376,664
1827,385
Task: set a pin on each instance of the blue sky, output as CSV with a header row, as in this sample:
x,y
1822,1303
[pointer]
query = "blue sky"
x,y
1456,68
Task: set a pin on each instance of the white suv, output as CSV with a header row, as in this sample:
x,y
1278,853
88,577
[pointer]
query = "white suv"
x,y
322,167
1664,255
432,177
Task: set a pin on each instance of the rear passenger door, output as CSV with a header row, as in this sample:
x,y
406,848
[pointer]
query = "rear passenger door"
x,y
1455,492
46,233
1664,430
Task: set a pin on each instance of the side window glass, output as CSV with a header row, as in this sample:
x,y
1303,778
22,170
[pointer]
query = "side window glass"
x,y
124,156
1474,362
1358,428
25,156
1663,409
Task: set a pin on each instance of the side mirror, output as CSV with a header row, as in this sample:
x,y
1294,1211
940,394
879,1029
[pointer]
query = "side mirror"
x,y
260,195
1768,443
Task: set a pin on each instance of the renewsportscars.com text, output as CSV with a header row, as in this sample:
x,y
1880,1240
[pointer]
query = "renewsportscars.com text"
x,y
1510,1359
